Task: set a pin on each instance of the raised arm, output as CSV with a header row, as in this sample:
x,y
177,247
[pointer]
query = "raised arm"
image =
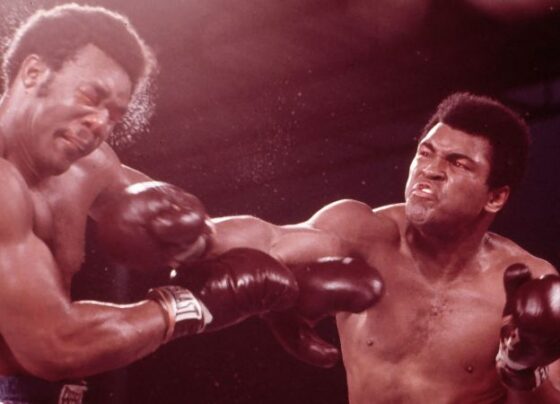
x,y
141,223
54,338
50,336
527,362
110,177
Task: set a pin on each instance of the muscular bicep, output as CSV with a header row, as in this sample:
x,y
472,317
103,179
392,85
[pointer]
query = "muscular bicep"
x,y
31,291
356,223
31,286
48,335
292,243
54,338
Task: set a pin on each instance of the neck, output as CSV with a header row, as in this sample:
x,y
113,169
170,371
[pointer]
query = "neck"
x,y
445,256
12,146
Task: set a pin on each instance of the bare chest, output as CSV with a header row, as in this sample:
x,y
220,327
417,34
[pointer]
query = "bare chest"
x,y
446,333
61,208
423,321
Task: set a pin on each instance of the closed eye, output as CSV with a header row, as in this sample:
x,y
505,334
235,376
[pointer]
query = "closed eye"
x,y
88,96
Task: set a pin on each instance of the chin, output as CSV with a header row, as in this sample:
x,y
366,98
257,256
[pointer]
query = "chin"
x,y
416,213
424,220
59,168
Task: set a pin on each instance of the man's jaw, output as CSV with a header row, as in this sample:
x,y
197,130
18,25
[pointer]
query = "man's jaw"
x,y
417,213
421,200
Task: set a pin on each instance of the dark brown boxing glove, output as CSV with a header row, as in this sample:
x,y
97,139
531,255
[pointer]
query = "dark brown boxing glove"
x,y
150,225
219,292
530,335
328,286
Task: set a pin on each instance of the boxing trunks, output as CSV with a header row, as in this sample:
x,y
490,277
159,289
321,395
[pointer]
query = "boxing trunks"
x,y
30,390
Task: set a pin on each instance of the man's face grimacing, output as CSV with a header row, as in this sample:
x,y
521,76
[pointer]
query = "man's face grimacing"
x,y
73,110
447,185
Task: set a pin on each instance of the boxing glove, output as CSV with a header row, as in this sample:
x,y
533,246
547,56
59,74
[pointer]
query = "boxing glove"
x,y
530,335
216,293
301,340
153,224
328,286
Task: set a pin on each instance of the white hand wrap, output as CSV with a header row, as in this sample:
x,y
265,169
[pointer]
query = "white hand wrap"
x,y
515,375
185,314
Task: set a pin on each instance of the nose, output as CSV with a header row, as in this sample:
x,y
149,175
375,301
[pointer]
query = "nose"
x,y
97,123
434,170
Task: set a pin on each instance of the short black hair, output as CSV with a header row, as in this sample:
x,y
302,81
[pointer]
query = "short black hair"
x,y
506,131
57,34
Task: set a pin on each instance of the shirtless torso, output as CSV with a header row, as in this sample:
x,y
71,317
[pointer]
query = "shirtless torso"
x,y
430,338
56,211
434,335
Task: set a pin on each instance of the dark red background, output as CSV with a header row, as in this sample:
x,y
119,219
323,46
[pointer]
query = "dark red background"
x,y
277,107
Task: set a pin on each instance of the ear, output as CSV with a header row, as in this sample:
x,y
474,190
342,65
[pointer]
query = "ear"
x,y
33,71
497,198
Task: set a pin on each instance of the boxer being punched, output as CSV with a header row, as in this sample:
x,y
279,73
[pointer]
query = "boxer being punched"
x,y
434,336
70,74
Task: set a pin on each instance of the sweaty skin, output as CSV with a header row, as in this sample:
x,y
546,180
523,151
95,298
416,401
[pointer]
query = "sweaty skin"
x,y
56,170
434,336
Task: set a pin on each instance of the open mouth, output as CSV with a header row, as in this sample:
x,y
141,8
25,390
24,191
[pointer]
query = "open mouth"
x,y
423,190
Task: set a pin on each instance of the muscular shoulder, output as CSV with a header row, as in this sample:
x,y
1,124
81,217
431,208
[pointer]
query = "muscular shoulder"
x,y
14,188
100,162
105,175
507,252
16,213
351,220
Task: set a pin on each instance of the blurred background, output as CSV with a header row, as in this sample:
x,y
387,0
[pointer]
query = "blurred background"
x,y
275,108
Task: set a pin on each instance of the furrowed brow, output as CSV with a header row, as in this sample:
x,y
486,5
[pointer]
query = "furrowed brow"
x,y
460,156
427,144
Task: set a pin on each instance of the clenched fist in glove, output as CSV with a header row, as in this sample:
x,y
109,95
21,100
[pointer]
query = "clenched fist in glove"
x,y
222,291
153,224
530,335
327,286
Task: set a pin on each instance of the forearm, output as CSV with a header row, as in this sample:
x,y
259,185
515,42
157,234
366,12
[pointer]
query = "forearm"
x,y
242,232
289,244
92,337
